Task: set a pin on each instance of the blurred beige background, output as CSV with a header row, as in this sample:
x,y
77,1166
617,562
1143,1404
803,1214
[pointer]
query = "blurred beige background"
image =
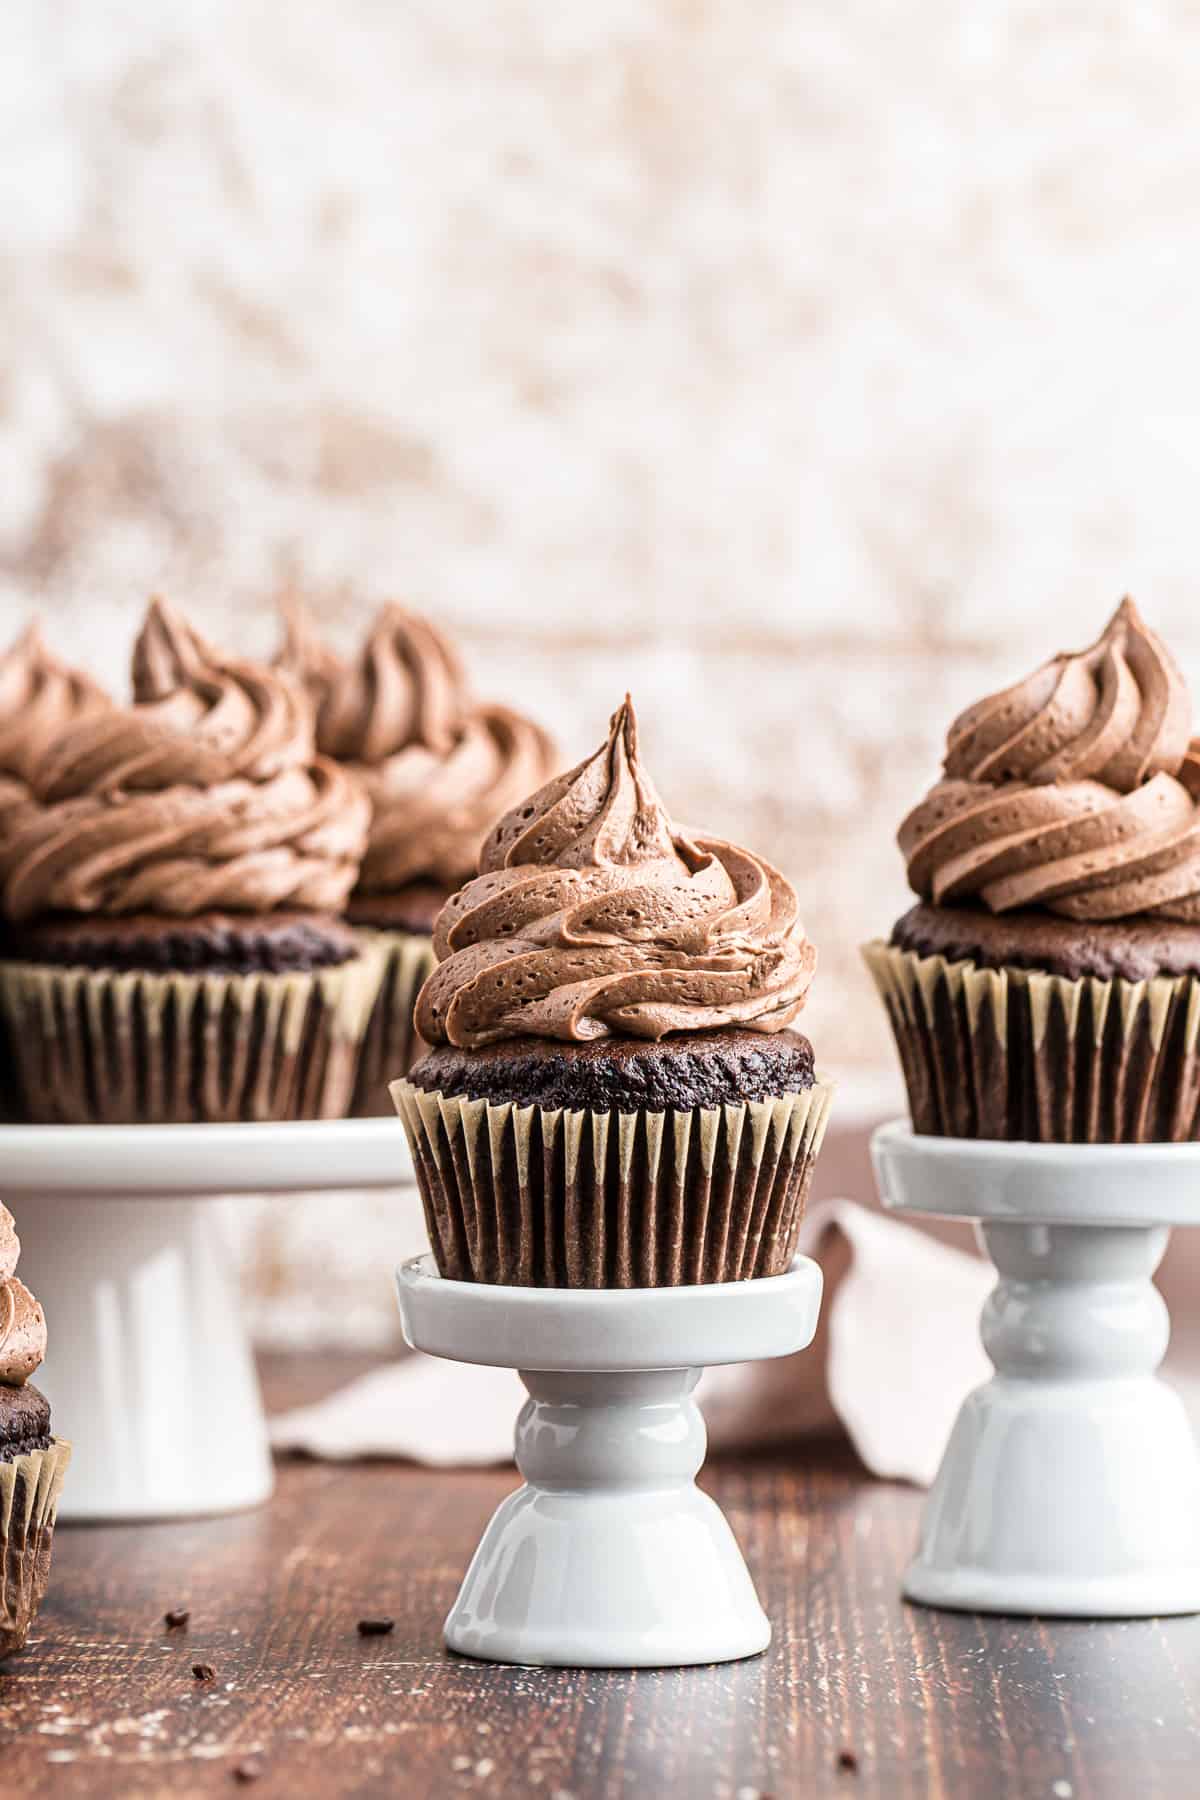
x,y
807,369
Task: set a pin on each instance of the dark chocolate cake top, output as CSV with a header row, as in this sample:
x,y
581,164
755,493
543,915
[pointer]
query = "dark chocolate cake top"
x,y
24,1421
1125,949
275,943
693,1069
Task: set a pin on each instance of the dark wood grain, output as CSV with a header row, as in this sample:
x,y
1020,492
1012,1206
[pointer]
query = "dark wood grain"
x,y
104,1702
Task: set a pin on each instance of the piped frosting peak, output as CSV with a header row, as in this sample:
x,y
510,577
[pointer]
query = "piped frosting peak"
x,y
1118,712
605,813
41,698
406,687
438,766
593,915
1074,789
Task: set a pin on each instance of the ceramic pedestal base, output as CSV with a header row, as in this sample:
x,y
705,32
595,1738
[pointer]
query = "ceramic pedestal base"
x,y
148,1358
149,1371
609,1556
1071,1482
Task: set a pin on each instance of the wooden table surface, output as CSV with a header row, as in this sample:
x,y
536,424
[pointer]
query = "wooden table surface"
x,y
104,1702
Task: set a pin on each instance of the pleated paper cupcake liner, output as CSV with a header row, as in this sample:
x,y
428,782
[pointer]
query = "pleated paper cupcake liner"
x,y
391,1045
539,1197
10,1092
1014,1053
29,1490
102,1047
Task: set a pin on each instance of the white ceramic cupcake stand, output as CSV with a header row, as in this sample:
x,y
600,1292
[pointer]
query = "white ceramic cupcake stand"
x,y
149,1370
1071,1482
608,1555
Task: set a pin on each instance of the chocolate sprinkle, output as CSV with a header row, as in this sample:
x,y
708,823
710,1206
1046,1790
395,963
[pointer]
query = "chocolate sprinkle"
x,y
177,1618
204,1672
848,1760
375,1627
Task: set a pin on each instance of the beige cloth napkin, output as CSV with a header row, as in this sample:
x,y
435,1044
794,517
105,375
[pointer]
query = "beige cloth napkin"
x,y
897,1350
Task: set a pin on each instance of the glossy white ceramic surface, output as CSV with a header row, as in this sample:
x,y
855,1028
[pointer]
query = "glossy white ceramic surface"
x,y
609,1328
149,1371
1068,1184
1071,1482
114,1161
608,1556
147,1363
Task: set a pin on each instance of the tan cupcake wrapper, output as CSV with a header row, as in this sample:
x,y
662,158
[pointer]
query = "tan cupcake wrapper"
x,y
10,1091
545,1197
1020,1054
391,1046
108,1047
29,1490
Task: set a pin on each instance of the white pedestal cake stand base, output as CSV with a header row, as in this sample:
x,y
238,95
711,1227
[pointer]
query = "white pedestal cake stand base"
x,y
609,1556
1071,1482
149,1371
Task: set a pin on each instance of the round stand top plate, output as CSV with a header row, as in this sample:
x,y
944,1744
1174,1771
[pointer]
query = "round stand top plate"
x,y
1047,1184
190,1161
603,1330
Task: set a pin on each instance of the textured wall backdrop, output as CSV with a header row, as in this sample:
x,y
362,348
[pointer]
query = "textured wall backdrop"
x,y
806,368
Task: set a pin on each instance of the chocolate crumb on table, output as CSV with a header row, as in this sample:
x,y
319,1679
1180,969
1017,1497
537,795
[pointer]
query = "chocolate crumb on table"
x,y
204,1672
375,1627
177,1618
848,1761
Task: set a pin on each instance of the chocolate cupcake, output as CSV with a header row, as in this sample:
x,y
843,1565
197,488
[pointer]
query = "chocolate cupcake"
x,y
41,698
32,1461
440,769
1047,986
614,1096
173,892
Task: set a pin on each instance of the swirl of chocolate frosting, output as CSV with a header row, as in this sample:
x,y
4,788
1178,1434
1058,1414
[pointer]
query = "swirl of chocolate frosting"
x,y
407,686
439,769
1117,712
206,793
22,1322
41,697
594,916
1074,790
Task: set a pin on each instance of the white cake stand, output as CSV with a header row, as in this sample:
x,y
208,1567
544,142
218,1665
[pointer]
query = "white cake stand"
x,y
149,1371
1071,1482
609,1556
